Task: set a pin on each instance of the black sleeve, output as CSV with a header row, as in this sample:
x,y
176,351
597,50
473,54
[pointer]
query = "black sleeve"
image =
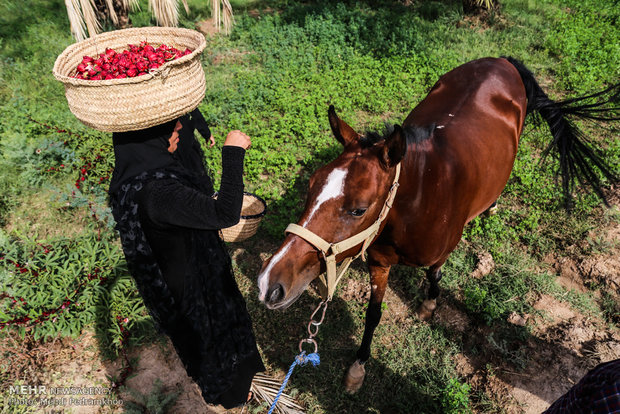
x,y
168,202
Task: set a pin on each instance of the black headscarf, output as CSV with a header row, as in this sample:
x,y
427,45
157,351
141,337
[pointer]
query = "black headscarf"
x,y
138,151
189,152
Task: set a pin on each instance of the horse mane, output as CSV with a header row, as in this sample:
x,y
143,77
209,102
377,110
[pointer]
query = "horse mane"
x,y
414,134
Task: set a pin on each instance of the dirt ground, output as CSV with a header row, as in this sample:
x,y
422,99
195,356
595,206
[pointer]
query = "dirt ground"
x,y
563,346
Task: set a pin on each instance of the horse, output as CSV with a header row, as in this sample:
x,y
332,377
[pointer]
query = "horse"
x,y
456,150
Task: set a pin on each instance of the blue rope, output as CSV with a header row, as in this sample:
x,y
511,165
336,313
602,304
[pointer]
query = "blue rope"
x,y
300,359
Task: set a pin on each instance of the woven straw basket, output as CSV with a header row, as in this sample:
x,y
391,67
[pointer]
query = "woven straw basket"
x,y
252,212
118,105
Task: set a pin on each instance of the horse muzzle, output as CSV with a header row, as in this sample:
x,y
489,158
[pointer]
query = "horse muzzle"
x,y
286,275
275,295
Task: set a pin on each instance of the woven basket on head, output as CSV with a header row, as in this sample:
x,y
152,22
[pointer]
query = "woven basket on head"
x,y
118,105
252,212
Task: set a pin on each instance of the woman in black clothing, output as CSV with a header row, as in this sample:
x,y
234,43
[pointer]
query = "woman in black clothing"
x,y
161,198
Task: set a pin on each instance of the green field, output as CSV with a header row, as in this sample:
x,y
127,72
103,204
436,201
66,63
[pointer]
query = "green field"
x,y
62,273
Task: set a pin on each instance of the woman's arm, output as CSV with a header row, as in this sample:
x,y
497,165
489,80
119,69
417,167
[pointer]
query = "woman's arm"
x,y
170,203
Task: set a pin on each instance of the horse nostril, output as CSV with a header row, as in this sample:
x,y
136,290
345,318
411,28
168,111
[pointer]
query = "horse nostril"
x,y
276,293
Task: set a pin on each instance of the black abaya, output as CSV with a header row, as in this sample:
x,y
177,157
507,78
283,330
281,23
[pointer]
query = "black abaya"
x,y
168,225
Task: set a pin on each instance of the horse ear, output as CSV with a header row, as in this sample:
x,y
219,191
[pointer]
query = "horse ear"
x,y
395,147
343,132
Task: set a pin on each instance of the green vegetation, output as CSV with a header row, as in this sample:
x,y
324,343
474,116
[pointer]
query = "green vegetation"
x,y
456,398
62,270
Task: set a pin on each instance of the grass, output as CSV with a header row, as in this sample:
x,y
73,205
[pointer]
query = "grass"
x,y
274,78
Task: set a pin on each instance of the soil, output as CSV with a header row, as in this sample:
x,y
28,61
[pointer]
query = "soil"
x,y
207,27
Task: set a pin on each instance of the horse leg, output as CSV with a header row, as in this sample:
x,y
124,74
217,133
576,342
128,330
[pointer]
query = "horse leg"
x,y
426,309
378,282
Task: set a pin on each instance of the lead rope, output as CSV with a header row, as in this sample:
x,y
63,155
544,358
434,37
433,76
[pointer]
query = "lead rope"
x,y
302,358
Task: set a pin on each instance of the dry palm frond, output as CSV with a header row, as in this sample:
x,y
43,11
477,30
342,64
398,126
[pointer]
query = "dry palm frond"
x,y
486,4
131,4
186,6
75,19
111,12
222,15
83,17
266,389
125,6
215,13
227,17
166,12
90,17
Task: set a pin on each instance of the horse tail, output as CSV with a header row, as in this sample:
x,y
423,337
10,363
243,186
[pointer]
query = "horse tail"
x,y
579,160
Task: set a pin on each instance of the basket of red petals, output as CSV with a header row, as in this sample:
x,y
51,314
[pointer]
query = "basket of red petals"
x,y
133,79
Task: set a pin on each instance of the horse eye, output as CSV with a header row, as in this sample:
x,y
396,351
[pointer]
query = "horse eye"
x,y
358,212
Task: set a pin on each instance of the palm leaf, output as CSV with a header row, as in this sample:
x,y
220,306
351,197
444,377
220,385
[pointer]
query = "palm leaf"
x,y
90,17
74,12
186,6
215,12
131,4
222,15
487,4
227,18
83,17
166,12
111,12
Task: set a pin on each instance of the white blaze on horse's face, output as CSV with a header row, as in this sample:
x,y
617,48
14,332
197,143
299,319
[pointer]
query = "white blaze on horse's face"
x,y
333,188
263,277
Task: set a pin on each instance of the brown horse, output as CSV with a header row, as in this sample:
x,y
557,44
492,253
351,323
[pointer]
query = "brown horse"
x,y
456,151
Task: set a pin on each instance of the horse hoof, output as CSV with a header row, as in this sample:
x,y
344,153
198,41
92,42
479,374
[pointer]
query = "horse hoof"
x,y
426,309
355,377
491,211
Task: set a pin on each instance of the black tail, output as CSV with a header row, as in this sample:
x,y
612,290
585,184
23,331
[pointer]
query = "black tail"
x,y
578,159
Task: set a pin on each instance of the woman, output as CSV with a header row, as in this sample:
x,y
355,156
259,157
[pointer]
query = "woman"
x,y
161,198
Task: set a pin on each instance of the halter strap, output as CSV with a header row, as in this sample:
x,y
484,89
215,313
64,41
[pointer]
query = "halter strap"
x,y
330,250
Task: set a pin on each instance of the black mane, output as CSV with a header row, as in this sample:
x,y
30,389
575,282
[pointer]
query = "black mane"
x,y
413,134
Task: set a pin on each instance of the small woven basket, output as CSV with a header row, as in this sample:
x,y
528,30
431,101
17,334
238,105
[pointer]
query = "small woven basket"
x,y
252,212
118,105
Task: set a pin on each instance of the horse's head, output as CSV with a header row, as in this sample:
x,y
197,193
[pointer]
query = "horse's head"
x,y
344,198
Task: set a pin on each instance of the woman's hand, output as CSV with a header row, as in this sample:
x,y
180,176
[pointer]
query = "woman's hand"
x,y
237,138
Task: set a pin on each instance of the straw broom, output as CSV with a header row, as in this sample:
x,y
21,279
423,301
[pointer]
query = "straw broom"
x,y
266,389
